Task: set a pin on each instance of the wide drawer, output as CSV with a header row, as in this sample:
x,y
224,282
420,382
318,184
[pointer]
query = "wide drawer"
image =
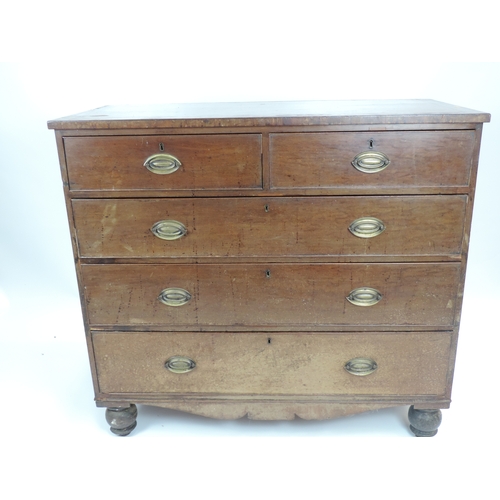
x,y
204,296
391,159
273,364
206,162
271,227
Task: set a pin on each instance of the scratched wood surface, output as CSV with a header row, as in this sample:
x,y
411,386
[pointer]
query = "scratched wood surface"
x,y
258,295
221,161
257,363
416,226
417,158
267,192
254,114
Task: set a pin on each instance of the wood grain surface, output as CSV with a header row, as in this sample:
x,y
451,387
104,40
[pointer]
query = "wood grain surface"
x,y
208,162
268,113
417,158
271,227
258,363
258,295
267,192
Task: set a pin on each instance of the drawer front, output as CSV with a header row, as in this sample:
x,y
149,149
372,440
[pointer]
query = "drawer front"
x,y
274,295
271,227
273,364
206,162
416,159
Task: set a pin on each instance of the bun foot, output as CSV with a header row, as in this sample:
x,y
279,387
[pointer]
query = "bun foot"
x,y
122,421
424,423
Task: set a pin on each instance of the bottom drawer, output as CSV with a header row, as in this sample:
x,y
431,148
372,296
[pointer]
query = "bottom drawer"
x,y
273,364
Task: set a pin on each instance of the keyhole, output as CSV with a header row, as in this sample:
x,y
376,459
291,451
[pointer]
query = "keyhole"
x,y
266,208
269,340
268,273
162,147
371,144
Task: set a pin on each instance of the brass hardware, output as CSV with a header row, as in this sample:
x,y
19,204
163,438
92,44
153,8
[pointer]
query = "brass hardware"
x,y
361,366
169,229
370,162
174,297
364,296
162,163
367,227
180,364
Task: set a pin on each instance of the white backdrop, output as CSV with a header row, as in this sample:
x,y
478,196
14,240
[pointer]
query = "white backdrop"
x,y
191,53
31,203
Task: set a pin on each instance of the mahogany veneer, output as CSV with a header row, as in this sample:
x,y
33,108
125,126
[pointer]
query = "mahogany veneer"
x,y
271,259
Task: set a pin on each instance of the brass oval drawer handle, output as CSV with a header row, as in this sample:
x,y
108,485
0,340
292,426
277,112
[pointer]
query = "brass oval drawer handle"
x,y
169,229
162,164
174,297
370,162
361,366
180,364
364,296
367,227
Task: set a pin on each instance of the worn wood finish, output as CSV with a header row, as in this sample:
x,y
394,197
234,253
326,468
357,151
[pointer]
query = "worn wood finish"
x,y
208,162
262,193
424,423
122,420
257,410
266,192
417,158
224,115
258,363
271,227
288,295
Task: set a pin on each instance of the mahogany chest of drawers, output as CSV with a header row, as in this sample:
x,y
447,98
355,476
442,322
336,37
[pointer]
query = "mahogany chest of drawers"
x,y
271,260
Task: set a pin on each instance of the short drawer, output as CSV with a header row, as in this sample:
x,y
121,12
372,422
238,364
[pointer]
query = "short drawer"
x,y
271,227
183,162
207,296
382,159
273,364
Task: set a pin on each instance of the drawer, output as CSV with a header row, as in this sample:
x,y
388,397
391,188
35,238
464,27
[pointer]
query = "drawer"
x,y
208,296
273,364
206,162
271,227
416,159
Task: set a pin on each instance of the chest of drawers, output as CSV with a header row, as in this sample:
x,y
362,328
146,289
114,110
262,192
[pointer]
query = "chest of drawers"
x,y
271,260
